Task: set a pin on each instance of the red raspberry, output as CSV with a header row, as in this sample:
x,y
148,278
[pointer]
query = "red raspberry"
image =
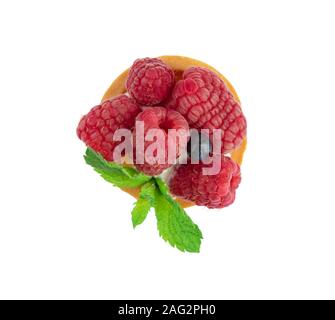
x,y
160,120
96,128
212,191
150,81
206,103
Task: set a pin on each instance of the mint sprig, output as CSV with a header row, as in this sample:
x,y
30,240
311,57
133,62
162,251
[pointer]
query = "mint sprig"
x,y
173,224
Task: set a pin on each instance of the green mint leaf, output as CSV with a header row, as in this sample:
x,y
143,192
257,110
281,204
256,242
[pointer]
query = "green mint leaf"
x,y
175,226
144,203
162,186
122,177
140,211
148,191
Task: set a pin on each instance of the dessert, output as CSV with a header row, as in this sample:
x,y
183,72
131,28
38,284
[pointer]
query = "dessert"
x,y
181,136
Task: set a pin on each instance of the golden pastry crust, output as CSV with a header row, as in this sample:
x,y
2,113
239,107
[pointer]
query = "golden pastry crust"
x,y
178,64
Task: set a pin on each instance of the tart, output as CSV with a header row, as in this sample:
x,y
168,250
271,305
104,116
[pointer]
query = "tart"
x,y
178,64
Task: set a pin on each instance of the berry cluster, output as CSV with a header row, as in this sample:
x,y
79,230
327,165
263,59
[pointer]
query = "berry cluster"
x,y
200,100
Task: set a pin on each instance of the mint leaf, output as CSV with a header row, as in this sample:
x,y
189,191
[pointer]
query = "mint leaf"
x,y
175,226
140,211
144,203
118,175
162,186
148,191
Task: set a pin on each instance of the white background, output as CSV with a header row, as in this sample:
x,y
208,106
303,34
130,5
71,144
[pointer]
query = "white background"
x,y
66,233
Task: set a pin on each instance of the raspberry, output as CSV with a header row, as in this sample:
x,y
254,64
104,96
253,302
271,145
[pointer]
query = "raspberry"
x,y
96,128
159,120
206,103
212,191
150,81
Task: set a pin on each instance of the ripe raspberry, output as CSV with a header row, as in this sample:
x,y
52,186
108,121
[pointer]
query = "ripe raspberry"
x,y
150,81
206,103
212,191
153,158
96,128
